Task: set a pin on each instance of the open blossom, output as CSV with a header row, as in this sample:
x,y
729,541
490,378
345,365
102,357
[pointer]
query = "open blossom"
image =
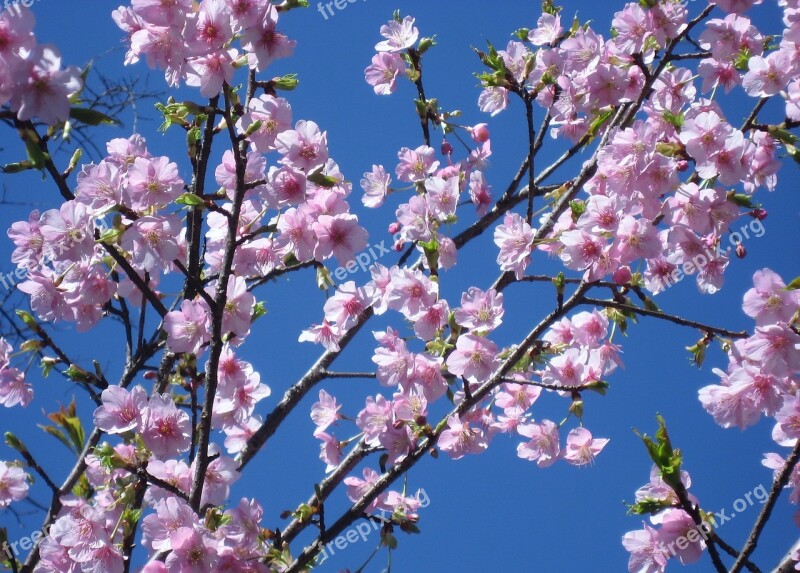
x,y
188,328
153,242
14,391
543,444
152,182
547,30
475,358
493,100
304,147
399,35
325,412
166,430
382,74
43,88
375,186
193,551
767,76
787,430
769,301
275,115
13,484
480,310
582,448
121,410
340,236
515,239
346,305
265,43
460,439
416,164
646,549
357,487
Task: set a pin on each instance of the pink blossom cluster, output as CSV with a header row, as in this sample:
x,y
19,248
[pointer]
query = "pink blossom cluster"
x,y
676,535
763,373
637,182
32,80
193,44
13,484
14,390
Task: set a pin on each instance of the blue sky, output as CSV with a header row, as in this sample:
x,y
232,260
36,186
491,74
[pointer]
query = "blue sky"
x,y
492,512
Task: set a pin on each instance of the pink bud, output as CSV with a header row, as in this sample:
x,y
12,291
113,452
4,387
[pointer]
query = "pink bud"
x,y
741,252
398,246
480,133
683,165
759,214
394,228
622,275
155,567
447,148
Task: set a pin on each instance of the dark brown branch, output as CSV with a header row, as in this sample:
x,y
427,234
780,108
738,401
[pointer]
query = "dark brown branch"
x,y
777,487
667,317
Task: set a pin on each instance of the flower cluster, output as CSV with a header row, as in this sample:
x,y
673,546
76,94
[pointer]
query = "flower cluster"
x,y
32,80
14,390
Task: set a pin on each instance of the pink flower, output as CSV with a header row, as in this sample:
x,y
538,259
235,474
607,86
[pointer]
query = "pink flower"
x,y
515,239
382,74
340,236
187,329
411,291
121,410
543,445
431,320
13,389
304,147
238,311
67,232
153,242
345,306
399,35
480,310
582,448
787,430
769,301
211,71
493,100
330,450
442,196
475,358
167,430
326,334
416,164
676,524
221,473
152,183
480,192
211,29
459,439
297,236
325,412
275,115
192,552
375,186
373,419
646,549
547,30
566,369
13,484
767,76
99,186
356,488
285,187
43,88
265,43
516,398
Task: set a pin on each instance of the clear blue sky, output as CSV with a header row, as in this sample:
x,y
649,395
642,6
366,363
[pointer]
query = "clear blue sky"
x,y
492,512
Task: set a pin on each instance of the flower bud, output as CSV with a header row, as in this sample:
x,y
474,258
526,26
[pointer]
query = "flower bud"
x,y
480,133
683,165
622,275
741,252
394,228
447,148
759,214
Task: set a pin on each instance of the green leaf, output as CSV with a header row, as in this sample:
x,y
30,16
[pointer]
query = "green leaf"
x,y
91,116
259,310
741,200
190,200
17,167
319,178
286,83
794,285
667,459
